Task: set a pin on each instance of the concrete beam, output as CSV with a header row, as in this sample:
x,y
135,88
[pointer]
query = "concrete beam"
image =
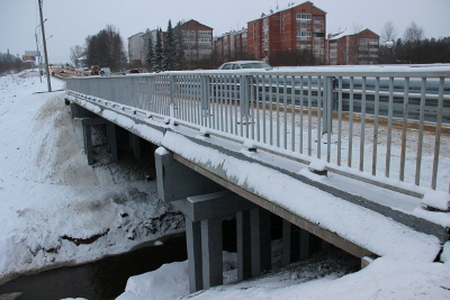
x,y
176,181
213,205
80,112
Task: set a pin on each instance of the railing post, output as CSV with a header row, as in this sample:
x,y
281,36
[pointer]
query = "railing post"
x,y
328,107
204,99
245,97
172,104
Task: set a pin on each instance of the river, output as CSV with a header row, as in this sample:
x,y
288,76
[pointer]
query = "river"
x,y
103,279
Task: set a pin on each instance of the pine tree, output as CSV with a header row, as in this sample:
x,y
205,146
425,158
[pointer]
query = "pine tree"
x,y
169,49
158,54
178,41
149,49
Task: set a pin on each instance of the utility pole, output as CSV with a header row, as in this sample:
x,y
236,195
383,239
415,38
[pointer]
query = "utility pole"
x,y
49,84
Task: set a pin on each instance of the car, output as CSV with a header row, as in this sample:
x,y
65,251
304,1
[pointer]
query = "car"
x,y
133,71
245,64
105,71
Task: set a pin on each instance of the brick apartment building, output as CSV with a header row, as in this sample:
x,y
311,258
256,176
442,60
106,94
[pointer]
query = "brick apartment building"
x,y
197,41
353,49
296,29
231,45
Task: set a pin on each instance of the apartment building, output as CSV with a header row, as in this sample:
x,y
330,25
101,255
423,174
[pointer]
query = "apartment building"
x,y
136,48
291,31
231,45
353,49
197,41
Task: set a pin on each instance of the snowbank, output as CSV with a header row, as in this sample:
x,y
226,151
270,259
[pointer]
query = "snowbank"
x,y
55,208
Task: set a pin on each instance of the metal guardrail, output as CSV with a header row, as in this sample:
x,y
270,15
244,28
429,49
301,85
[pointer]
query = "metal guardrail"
x,y
373,122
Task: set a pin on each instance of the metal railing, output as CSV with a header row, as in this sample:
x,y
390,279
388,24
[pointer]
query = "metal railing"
x,y
387,124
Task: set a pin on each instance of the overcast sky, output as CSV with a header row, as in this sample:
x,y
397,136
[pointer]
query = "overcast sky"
x,y
71,21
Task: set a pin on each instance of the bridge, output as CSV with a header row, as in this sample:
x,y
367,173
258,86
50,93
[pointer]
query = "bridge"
x,y
349,156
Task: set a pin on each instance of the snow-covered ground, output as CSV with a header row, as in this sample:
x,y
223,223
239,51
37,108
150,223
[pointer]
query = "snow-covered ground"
x,y
56,209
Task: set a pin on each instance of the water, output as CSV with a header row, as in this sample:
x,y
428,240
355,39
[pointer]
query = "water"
x,y
104,279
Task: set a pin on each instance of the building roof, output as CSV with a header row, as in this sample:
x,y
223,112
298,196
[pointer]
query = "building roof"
x,y
263,15
337,36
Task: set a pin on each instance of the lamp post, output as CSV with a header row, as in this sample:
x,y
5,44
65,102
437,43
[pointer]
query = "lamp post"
x,y
45,46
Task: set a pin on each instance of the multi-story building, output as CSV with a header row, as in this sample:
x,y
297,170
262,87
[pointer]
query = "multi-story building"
x,y
293,30
353,49
231,45
136,48
197,42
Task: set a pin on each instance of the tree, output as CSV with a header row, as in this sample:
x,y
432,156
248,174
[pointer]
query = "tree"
x,y
158,54
106,49
389,33
179,52
169,61
9,62
413,33
149,48
76,52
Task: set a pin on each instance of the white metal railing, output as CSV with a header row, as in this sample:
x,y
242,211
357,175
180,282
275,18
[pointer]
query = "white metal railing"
x,y
387,122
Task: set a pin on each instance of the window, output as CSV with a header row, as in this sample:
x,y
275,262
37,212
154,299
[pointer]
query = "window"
x,y
304,16
304,33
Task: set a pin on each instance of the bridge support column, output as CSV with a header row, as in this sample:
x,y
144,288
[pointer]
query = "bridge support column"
x,y
291,243
212,260
261,242
204,216
87,124
112,141
194,252
244,250
135,144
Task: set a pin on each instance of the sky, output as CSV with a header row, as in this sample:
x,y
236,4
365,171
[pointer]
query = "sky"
x,y
69,22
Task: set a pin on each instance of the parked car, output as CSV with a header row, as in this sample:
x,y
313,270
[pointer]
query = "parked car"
x,y
105,71
133,71
245,64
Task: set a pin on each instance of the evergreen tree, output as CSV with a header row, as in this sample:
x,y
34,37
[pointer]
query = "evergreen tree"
x,y
158,54
169,50
149,53
179,49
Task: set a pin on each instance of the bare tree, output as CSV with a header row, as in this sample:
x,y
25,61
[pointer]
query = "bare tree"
x,y
413,33
357,27
388,33
76,52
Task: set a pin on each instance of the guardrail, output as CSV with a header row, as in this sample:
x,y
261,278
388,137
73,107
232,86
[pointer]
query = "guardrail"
x,y
346,117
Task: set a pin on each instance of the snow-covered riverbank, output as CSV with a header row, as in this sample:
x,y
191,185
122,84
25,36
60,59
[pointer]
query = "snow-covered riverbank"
x,y
58,210
55,208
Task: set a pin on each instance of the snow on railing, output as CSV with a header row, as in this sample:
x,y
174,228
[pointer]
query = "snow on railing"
x,y
388,122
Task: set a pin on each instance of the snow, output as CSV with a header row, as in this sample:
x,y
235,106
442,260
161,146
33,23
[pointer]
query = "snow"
x,y
382,279
52,203
437,199
56,209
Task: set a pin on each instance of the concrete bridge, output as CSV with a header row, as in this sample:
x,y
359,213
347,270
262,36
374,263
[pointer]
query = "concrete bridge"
x,y
238,145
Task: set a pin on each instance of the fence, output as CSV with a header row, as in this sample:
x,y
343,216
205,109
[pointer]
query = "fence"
x,y
386,123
